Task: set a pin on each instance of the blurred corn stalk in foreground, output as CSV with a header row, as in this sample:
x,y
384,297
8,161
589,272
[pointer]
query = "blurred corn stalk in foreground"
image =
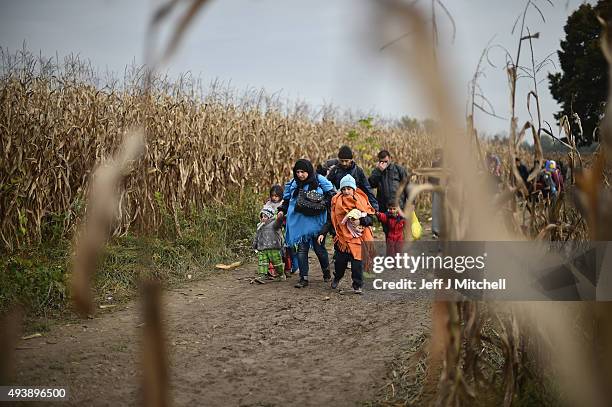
x,y
105,194
596,198
522,332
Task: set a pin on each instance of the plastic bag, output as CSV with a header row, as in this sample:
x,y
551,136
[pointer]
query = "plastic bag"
x,y
415,227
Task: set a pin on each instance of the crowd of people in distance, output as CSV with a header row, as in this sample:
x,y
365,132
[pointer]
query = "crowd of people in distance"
x,y
548,182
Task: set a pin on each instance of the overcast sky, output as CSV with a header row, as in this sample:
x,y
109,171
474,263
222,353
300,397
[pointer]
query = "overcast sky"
x,y
315,50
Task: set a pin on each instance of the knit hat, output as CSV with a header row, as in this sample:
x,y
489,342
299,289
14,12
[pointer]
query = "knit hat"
x,y
348,181
267,212
345,153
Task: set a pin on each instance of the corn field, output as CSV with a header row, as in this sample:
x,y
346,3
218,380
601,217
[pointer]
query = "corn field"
x,y
57,127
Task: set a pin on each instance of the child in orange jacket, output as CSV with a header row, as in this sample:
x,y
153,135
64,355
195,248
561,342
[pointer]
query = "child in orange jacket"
x,y
351,218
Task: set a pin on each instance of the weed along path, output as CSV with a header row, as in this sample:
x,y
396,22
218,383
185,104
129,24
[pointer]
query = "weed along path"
x,y
232,343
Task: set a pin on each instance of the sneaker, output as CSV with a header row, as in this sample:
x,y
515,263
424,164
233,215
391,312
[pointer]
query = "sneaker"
x,y
334,284
301,284
357,290
326,276
281,277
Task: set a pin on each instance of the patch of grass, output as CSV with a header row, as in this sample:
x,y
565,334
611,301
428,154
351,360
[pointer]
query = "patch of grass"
x,y
34,280
38,277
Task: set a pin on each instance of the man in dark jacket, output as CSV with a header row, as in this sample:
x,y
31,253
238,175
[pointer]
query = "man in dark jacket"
x,y
345,166
387,177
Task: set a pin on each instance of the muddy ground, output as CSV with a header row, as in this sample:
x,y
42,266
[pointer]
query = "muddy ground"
x,y
232,343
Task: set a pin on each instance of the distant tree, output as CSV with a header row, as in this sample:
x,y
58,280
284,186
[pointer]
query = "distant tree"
x,y
547,143
429,125
500,138
526,146
582,85
409,123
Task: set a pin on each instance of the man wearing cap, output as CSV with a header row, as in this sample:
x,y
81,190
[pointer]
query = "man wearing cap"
x,y
345,166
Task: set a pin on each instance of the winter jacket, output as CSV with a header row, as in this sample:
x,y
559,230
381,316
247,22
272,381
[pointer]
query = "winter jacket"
x,y
269,235
387,183
302,227
338,172
274,206
329,227
395,226
549,184
558,179
345,240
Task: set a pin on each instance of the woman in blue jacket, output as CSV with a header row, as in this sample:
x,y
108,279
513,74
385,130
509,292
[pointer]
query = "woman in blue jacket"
x,y
302,230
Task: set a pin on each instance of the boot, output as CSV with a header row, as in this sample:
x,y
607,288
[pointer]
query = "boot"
x,y
301,284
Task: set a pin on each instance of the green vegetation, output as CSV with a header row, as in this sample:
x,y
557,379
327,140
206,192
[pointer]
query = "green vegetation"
x,y
582,86
37,277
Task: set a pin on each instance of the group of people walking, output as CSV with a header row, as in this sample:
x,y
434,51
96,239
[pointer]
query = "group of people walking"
x,y
336,199
549,181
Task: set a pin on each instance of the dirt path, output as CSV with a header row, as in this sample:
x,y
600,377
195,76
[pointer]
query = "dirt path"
x,y
235,344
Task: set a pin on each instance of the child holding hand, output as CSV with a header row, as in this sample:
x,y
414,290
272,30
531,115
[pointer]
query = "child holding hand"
x,y
275,201
268,244
351,218
394,223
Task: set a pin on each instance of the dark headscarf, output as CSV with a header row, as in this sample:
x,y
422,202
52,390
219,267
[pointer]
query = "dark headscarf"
x,y
305,165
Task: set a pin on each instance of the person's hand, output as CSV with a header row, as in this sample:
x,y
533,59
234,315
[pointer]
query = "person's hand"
x,y
320,239
280,215
382,165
